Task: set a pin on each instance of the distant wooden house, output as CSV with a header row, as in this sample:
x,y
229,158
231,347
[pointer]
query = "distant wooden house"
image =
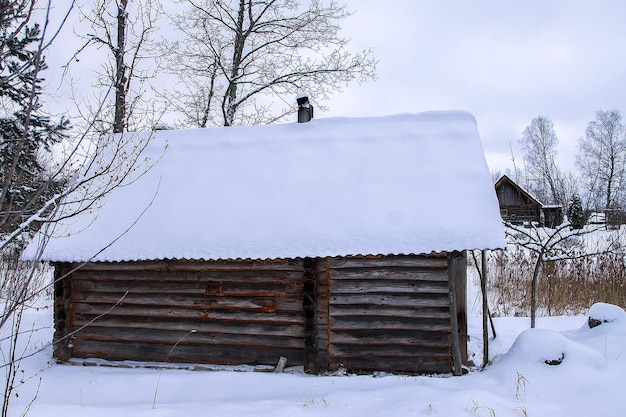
x,y
518,206
335,243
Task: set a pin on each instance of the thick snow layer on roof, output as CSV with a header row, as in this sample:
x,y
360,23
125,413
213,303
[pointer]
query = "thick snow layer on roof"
x,y
410,183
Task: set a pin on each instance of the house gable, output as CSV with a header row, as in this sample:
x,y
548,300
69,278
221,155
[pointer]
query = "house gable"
x,y
516,205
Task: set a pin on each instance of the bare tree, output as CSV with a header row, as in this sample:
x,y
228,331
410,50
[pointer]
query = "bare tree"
x,y
238,57
602,160
539,142
123,29
560,243
570,183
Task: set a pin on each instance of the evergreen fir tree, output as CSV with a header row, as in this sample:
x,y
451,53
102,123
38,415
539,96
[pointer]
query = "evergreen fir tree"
x,y
25,130
575,213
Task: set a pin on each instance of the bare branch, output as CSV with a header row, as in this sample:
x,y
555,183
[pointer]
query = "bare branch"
x,y
261,50
549,245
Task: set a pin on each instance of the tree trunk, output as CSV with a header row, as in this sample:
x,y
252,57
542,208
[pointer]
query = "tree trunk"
x,y
609,183
120,70
207,108
231,92
533,290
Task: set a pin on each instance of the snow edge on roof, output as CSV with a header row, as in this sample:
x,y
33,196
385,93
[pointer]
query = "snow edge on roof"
x,y
393,136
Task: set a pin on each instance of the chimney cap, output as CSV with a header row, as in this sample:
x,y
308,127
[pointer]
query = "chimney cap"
x,y
302,98
305,109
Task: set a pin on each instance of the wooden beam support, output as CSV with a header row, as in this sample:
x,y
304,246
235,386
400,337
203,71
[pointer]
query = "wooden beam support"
x,y
455,276
309,306
62,314
483,287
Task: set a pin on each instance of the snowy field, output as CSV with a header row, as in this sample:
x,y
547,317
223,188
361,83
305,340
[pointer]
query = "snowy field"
x,y
588,381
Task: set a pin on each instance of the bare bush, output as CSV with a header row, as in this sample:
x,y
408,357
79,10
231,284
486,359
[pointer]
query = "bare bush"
x,y
21,283
13,273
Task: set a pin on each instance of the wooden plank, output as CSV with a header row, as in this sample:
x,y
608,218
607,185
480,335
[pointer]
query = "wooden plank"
x,y
210,288
119,266
399,274
285,265
213,354
170,337
268,304
257,329
255,265
345,352
416,365
389,300
199,276
354,286
484,274
416,313
457,268
457,262
392,338
216,312
390,261
360,323
156,312
456,348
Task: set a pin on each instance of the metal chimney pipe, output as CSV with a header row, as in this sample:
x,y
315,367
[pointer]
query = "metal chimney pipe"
x,y
305,109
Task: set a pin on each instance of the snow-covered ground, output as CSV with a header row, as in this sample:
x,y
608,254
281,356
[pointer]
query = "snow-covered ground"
x,y
587,381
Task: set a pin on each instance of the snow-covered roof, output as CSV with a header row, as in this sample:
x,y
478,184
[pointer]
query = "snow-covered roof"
x,y
403,184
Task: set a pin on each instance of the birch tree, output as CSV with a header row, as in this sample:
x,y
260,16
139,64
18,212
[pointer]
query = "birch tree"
x,y
602,160
539,143
235,60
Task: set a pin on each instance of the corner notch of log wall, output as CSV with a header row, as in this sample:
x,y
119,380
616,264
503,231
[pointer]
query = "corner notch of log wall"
x,y
309,305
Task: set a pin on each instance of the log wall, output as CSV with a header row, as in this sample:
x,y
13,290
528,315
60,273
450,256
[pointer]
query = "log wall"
x,y
362,313
388,314
220,313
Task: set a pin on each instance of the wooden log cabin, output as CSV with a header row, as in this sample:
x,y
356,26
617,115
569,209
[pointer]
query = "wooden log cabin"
x,y
517,206
336,243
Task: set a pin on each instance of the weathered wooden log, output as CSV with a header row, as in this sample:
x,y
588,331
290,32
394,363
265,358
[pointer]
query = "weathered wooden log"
x,y
454,322
309,305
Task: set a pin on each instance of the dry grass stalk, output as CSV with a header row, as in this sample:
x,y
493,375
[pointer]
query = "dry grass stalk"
x,y
565,287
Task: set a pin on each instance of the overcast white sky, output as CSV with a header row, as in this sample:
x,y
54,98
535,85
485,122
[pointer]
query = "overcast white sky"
x,y
504,61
